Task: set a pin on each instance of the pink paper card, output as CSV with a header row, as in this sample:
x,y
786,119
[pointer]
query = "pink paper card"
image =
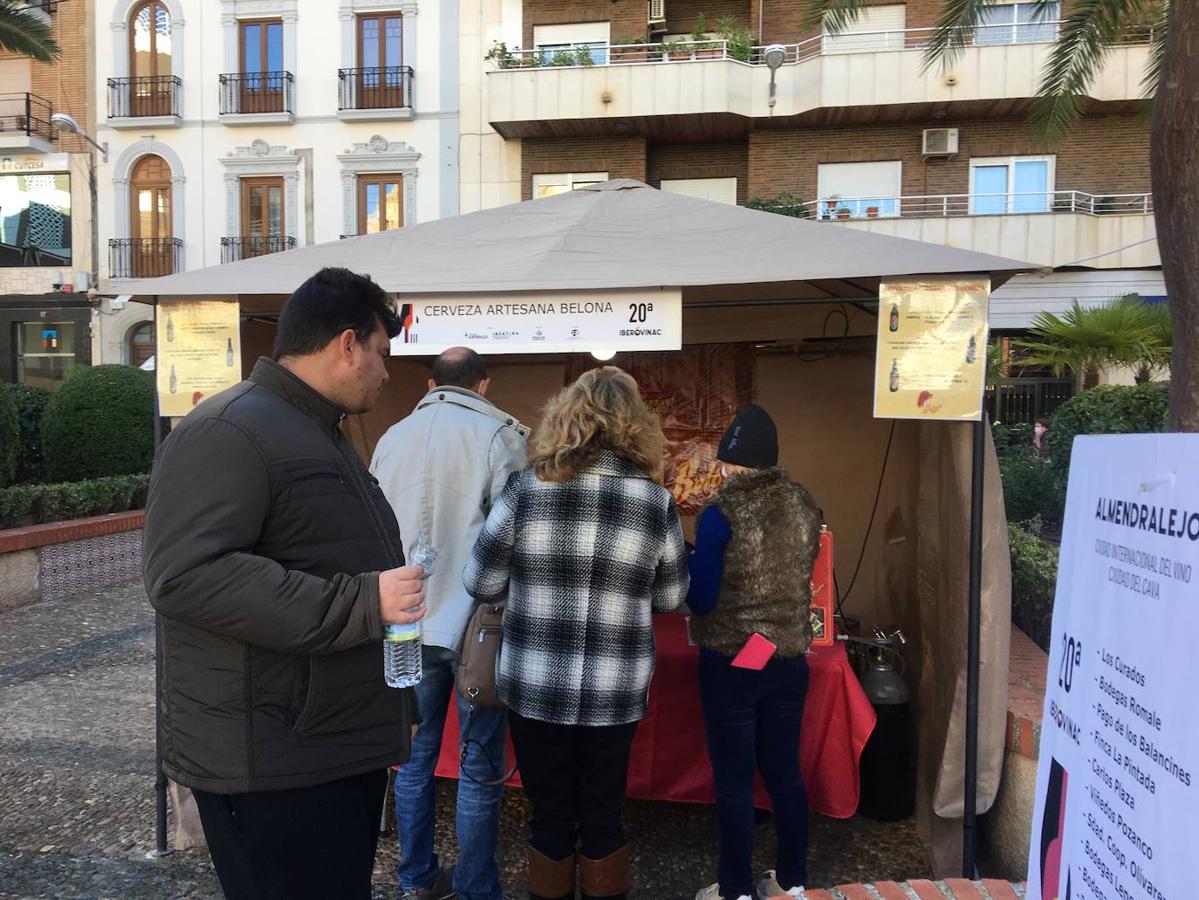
x,y
755,654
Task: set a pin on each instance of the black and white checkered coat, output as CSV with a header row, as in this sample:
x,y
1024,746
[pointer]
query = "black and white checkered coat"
x,y
583,565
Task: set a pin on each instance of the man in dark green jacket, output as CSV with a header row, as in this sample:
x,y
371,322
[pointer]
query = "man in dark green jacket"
x,y
275,561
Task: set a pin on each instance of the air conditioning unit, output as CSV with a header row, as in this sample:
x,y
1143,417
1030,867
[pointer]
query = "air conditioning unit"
x,y
657,12
940,141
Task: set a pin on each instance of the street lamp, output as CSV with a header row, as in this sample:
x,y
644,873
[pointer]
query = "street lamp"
x,y
68,123
775,55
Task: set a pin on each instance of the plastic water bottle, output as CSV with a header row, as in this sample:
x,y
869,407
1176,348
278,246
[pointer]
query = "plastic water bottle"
x,y
402,643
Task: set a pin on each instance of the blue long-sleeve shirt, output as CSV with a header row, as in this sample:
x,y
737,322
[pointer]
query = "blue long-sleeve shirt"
x,y
706,562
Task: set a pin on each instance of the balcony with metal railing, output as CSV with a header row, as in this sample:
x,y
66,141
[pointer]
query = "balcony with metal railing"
x,y
25,123
980,204
135,102
1049,228
234,249
374,93
257,98
596,88
144,257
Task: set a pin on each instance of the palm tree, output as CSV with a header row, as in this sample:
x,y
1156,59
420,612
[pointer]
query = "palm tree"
x,y
1122,332
1162,351
22,34
1172,81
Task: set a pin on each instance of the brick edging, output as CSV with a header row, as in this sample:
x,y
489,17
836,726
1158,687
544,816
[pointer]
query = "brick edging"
x,y
31,536
1026,695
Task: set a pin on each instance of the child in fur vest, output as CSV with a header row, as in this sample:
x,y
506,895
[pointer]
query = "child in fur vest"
x,y
751,573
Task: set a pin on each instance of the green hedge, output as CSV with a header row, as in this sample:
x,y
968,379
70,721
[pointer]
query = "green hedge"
x,y
1107,409
10,438
31,404
1033,488
34,504
100,422
1034,580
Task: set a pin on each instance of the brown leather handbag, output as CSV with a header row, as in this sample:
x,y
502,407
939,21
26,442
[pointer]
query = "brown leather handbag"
x,y
480,656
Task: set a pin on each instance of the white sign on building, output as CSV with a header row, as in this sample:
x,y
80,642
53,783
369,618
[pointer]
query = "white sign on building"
x,y
1119,761
603,322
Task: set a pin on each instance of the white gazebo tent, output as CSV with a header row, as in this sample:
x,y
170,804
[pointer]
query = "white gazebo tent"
x,y
771,283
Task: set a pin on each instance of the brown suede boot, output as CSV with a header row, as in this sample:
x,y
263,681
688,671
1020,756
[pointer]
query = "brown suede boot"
x,y
550,879
607,878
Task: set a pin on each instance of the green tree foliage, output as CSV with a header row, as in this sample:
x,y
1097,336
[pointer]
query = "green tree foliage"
x,y
1122,332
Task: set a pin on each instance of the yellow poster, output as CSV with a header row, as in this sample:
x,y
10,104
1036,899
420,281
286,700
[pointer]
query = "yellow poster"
x,y
198,352
932,349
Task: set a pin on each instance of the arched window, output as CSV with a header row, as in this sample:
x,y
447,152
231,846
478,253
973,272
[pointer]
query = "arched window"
x,y
150,59
141,343
150,218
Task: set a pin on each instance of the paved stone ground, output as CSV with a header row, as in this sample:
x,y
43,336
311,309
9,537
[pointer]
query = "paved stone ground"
x,y
77,786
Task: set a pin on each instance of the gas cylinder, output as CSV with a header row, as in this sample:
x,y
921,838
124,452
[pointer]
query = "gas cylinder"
x,y
887,767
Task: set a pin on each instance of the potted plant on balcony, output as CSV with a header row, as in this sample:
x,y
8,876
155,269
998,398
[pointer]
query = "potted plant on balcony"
x,y
501,56
583,57
738,40
830,206
562,58
630,50
844,212
785,204
871,212
704,47
676,50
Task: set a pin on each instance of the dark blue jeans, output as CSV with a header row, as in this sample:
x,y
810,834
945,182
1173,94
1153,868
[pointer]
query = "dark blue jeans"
x,y
476,876
753,721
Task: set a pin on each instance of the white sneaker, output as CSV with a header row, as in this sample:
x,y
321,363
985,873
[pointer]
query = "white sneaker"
x,y
769,889
712,892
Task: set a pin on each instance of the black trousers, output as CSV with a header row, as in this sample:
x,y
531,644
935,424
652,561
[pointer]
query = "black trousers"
x,y
316,842
574,777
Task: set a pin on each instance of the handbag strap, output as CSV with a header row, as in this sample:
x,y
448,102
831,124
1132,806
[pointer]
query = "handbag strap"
x,y
467,740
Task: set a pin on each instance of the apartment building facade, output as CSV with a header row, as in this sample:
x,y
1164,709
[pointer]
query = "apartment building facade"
x,y
242,127
683,94
47,260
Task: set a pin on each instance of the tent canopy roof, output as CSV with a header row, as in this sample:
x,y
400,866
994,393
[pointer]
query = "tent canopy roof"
x,y
616,234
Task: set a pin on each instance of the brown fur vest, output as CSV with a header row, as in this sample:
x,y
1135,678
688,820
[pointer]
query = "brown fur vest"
x,y
767,582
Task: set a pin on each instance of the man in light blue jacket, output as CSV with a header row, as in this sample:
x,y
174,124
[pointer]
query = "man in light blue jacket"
x,y
441,468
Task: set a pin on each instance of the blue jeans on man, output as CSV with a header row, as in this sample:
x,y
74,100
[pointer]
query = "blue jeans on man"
x,y
476,875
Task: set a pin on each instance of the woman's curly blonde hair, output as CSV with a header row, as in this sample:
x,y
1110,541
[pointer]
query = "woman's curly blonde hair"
x,y
602,410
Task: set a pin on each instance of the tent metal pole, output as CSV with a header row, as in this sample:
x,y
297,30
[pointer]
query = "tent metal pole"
x,y
160,777
973,643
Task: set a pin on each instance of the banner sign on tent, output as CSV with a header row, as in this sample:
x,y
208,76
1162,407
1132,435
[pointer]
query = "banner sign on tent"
x,y
568,322
197,354
1118,779
931,361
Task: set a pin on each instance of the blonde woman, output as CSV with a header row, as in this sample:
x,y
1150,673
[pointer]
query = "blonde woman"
x,y
585,546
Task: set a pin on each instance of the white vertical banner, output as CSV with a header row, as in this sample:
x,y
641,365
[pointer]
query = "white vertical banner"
x,y
1117,804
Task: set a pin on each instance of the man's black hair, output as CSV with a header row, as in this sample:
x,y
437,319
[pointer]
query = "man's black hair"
x,y
328,303
459,367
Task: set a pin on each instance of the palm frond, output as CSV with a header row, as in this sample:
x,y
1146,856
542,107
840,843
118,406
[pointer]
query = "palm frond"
x,y
1119,332
1159,15
22,34
833,16
952,31
1087,35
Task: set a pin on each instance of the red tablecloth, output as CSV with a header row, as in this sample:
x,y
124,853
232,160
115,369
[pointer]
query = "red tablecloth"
x,y
670,758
